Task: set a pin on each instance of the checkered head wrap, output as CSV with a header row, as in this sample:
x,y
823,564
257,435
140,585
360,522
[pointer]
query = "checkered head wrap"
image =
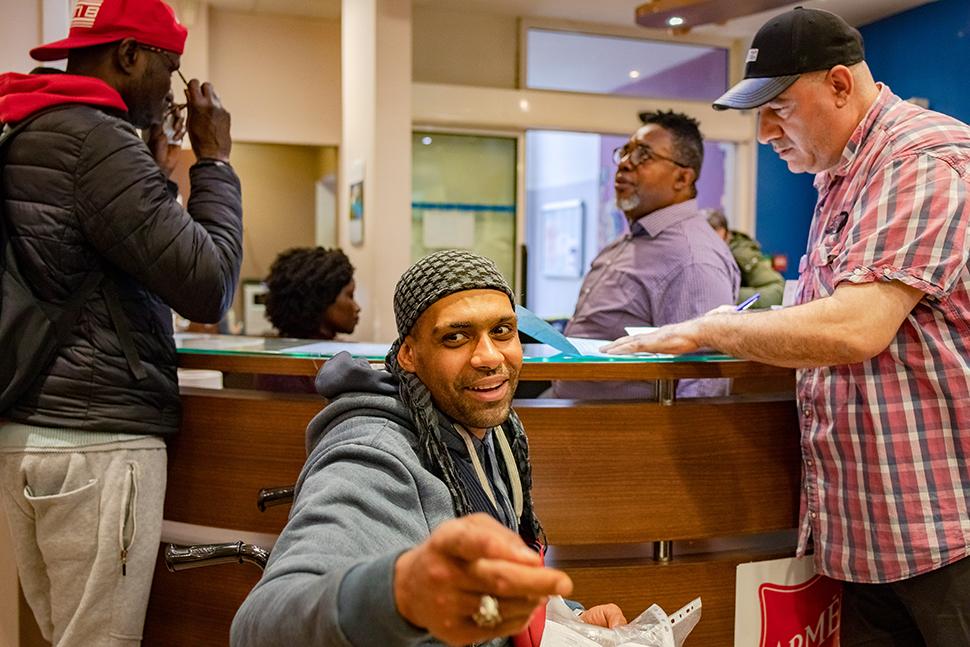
x,y
427,281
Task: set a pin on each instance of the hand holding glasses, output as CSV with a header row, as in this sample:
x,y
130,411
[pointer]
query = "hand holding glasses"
x,y
206,121
164,138
173,115
173,122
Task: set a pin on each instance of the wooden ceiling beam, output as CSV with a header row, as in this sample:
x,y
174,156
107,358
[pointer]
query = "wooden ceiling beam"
x,y
657,14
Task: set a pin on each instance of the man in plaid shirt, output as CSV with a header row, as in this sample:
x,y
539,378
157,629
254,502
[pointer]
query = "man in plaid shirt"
x,y
880,332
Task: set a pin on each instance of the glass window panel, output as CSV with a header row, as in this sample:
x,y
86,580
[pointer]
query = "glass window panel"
x,y
564,169
463,195
570,61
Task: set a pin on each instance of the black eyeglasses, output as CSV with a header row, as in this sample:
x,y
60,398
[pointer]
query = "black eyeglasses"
x,y
173,65
640,153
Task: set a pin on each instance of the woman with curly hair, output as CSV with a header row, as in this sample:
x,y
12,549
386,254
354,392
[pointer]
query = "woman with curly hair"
x,y
311,296
311,293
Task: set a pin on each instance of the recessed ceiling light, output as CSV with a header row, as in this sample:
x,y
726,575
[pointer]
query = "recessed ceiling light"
x,y
524,105
675,21
426,140
634,74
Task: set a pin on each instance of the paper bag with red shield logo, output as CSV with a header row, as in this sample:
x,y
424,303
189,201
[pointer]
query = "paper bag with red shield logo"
x,y
784,603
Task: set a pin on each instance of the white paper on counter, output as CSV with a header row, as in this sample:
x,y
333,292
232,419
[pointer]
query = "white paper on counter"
x,y
591,348
639,330
357,349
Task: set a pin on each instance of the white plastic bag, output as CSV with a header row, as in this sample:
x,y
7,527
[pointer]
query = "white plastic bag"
x,y
652,628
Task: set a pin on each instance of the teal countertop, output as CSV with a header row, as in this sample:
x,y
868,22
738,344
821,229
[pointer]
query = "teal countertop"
x,y
202,344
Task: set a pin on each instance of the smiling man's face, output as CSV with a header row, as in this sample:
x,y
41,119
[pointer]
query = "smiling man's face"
x,y
465,349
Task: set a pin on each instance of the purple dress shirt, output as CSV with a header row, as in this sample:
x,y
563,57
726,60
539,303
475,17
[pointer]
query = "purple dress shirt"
x,y
670,267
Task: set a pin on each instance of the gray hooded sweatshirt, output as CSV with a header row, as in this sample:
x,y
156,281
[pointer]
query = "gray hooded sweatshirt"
x,y
362,499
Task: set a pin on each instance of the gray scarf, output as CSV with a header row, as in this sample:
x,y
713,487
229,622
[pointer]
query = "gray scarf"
x,y
430,279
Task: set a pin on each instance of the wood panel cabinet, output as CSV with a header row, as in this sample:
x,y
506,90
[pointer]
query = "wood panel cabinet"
x,y
610,479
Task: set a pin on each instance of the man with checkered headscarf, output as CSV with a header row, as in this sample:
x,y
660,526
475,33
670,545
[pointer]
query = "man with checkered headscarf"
x,y
415,501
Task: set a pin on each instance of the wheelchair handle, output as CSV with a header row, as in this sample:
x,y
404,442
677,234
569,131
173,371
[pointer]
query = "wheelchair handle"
x,y
270,496
180,558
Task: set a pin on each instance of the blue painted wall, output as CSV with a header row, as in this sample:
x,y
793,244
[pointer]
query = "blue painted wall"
x,y
925,52
785,202
922,52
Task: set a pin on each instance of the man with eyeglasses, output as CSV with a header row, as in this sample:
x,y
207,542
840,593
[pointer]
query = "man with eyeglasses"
x,y
93,225
670,266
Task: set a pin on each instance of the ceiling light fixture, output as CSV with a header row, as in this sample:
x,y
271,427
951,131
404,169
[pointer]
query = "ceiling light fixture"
x,y
634,74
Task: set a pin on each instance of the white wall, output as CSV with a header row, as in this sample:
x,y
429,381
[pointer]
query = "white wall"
x,y
22,30
376,139
565,159
279,76
464,48
194,16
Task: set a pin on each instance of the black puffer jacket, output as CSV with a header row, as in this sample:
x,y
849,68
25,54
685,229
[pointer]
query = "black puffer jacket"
x,y
83,193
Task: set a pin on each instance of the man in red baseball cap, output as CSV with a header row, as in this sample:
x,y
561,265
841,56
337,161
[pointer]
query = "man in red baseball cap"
x,y
97,22
93,233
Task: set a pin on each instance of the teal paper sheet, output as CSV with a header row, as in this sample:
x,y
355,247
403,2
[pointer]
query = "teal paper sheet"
x,y
538,329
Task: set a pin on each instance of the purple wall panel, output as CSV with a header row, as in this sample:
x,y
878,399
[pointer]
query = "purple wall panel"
x,y
700,79
710,186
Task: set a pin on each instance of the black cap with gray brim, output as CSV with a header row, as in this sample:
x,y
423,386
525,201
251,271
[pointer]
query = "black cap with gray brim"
x,y
787,46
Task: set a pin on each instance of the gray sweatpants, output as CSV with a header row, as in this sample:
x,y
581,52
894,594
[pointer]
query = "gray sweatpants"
x,y
86,524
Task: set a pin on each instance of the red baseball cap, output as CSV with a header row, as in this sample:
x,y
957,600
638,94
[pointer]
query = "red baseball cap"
x,y
95,22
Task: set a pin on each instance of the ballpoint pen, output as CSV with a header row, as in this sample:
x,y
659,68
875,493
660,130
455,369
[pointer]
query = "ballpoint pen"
x,y
747,303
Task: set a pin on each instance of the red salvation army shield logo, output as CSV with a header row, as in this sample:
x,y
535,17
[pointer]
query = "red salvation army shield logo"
x,y
802,615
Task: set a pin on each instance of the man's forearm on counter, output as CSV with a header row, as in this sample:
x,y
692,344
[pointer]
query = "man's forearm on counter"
x,y
852,325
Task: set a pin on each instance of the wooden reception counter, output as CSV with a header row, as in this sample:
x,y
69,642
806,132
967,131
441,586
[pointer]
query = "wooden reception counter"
x,y
628,492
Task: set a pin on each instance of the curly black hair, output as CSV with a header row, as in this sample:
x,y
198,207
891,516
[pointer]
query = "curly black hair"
x,y
688,142
302,282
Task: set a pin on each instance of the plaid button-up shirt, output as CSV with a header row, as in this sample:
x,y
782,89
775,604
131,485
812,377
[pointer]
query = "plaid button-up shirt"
x,y
886,442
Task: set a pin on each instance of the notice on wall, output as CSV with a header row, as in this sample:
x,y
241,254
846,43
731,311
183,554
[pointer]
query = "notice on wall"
x,y
562,239
355,225
449,229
